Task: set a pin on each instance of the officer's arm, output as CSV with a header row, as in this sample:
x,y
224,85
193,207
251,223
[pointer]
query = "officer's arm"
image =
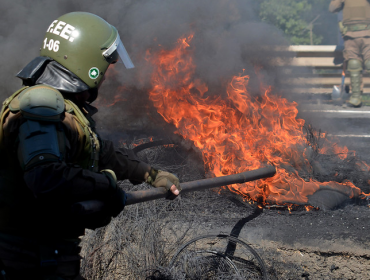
x,y
336,6
42,151
126,165
123,162
60,181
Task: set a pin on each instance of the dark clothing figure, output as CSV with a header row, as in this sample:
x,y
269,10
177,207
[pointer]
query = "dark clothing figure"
x,y
355,29
53,159
37,220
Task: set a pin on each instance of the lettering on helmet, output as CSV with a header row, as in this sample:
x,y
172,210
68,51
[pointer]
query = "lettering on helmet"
x,y
63,29
51,45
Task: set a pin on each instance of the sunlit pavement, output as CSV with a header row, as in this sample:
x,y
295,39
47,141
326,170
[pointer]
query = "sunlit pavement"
x,y
350,126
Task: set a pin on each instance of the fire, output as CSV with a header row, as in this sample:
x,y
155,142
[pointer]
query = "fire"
x,y
240,132
136,143
308,208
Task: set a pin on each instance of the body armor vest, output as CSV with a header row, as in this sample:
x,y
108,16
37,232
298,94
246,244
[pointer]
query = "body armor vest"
x,y
356,12
88,156
15,196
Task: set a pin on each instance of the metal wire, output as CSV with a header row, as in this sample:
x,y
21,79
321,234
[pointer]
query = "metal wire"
x,y
206,255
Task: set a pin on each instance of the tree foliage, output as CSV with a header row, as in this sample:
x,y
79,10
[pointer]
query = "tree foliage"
x,y
302,21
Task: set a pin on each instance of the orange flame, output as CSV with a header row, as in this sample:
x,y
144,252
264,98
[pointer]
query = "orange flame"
x,y
239,133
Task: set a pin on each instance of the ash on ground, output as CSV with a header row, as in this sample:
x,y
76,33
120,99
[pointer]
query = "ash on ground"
x,y
330,166
141,241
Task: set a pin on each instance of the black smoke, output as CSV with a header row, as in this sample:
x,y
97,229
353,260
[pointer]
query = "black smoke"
x,y
228,37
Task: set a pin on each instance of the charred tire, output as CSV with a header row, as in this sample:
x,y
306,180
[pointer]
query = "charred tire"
x,y
152,144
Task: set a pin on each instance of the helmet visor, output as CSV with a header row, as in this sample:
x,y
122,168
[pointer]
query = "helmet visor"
x,y
124,57
120,49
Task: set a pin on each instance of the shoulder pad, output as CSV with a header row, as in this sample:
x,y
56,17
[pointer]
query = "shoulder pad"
x,y
14,105
41,102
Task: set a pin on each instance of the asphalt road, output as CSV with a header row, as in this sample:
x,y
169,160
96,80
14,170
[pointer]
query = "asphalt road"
x,y
349,126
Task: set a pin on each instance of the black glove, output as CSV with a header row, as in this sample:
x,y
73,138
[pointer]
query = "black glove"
x,y
116,199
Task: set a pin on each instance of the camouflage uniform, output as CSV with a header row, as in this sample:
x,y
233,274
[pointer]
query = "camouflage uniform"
x,y
356,35
36,220
55,159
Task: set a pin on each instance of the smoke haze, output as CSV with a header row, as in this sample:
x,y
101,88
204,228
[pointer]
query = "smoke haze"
x,y
227,39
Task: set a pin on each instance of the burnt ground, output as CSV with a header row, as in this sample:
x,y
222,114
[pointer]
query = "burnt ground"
x,y
332,244
296,244
316,244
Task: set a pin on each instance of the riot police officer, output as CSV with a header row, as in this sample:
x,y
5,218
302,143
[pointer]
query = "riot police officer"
x,y
52,159
355,29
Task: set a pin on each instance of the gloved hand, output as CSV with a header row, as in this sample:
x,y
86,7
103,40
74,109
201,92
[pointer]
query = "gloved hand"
x,y
116,199
159,178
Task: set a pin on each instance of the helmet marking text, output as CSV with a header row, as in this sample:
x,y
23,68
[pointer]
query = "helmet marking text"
x,y
63,30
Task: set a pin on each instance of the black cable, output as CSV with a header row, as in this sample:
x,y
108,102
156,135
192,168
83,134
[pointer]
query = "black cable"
x,y
153,144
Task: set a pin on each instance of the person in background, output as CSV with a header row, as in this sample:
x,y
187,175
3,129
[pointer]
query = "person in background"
x,y
53,161
355,29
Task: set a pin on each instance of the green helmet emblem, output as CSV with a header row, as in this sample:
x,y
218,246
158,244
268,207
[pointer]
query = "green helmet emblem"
x,y
85,44
94,73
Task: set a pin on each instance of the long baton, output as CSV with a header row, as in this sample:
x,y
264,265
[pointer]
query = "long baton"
x,y
133,197
157,193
